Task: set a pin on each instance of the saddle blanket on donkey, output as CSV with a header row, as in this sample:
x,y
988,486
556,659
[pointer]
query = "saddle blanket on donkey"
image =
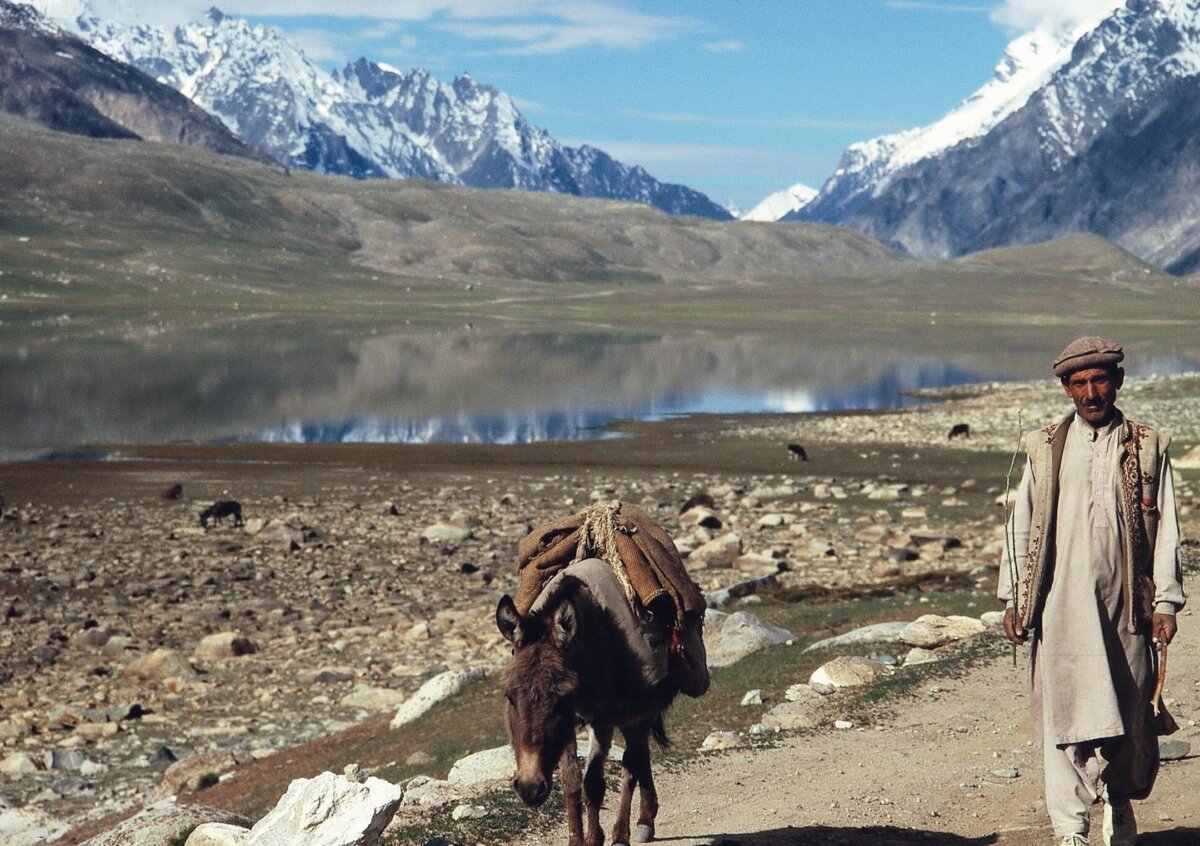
x,y
632,568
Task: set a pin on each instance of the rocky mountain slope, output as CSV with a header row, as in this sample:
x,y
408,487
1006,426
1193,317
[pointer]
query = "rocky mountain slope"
x,y
53,78
1102,141
368,120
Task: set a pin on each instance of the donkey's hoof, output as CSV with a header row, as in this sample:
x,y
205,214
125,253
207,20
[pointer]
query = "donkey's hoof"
x,y
643,833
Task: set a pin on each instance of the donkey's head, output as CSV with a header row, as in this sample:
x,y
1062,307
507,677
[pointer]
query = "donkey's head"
x,y
540,689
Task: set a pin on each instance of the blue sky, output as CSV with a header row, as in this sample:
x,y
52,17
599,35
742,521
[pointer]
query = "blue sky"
x,y
736,98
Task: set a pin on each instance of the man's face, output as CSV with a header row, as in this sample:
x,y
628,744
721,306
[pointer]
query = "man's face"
x,y
1094,392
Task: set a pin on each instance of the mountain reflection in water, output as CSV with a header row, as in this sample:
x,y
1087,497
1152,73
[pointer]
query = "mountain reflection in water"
x,y
515,427
313,384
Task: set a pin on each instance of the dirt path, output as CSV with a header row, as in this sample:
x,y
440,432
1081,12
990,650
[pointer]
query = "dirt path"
x,y
934,772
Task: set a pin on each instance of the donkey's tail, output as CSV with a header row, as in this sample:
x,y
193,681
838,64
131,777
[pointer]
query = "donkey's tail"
x,y
659,730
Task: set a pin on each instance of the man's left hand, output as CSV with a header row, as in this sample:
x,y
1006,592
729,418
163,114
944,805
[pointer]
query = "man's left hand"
x,y
1163,628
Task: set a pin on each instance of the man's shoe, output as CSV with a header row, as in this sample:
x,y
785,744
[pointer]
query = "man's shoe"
x,y
1074,840
1120,828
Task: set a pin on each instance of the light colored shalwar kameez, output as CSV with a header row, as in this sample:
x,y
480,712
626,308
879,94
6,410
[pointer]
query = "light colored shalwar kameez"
x,y
1091,678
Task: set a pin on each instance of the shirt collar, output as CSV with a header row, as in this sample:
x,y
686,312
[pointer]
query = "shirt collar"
x,y
1092,435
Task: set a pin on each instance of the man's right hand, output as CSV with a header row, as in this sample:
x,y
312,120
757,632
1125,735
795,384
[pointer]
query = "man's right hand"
x,y
1012,629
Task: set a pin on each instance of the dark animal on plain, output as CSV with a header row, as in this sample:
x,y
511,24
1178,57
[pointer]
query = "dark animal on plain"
x,y
699,499
220,509
959,430
797,453
571,667
171,492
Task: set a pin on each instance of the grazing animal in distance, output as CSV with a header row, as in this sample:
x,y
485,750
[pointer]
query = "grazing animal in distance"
x,y
573,665
700,499
171,491
796,452
959,430
220,509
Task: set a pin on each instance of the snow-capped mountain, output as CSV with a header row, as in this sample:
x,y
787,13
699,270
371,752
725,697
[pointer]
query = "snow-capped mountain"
x,y
868,166
1100,135
368,120
51,77
781,203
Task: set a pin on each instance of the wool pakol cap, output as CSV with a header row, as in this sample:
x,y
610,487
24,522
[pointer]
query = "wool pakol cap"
x,y
1089,351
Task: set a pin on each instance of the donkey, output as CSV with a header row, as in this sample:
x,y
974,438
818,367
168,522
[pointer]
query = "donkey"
x,y
573,665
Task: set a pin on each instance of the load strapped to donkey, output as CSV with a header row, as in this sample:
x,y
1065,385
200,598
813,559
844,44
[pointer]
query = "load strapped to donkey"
x,y
663,609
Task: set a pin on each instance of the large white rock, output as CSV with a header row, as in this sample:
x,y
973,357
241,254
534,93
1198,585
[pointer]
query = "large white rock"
x,y
437,689
932,630
877,633
29,827
845,672
728,638
328,811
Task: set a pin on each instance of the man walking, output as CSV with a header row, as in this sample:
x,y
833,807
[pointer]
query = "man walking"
x,y
1092,575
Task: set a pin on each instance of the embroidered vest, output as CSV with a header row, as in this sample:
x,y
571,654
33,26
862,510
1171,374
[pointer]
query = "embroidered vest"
x,y
1139,463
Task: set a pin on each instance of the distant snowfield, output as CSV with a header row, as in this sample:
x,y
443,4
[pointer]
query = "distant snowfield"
x,y
780,203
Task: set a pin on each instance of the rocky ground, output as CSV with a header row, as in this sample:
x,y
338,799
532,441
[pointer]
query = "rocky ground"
x,y
136,640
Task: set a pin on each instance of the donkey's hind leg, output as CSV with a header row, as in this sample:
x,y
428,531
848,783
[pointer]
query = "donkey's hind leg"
x,y
636,764
593,781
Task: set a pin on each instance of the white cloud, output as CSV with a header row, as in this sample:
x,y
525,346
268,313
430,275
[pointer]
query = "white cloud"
x,y
785,122
318,45
724,46
1052,15
921,6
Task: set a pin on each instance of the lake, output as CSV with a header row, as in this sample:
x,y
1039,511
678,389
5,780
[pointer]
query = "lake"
x,y
465,385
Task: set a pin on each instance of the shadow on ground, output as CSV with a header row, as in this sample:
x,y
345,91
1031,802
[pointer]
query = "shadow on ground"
x,y
871,836
1172,837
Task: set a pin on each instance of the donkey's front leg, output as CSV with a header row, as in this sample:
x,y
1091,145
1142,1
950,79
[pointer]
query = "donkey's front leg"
x,y
572,783
593,781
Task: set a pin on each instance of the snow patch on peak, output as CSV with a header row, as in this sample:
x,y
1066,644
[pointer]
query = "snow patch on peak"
x,y
781,203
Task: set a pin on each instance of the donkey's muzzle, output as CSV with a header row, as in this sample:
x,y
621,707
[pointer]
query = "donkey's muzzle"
x,y
533,792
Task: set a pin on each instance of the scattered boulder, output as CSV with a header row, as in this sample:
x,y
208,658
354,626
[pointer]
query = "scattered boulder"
x,y
845,672
199,771
223,645
720,740
719,552
328,810
217,834
495,764
1173,750
728,638
428,792
876,633
158,666
919,655
933,630
165,825
444,533
437,689
30,827
18,764
373,699
792,715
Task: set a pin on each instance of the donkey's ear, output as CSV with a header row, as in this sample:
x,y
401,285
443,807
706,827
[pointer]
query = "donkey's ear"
x,y
509,621
565,623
